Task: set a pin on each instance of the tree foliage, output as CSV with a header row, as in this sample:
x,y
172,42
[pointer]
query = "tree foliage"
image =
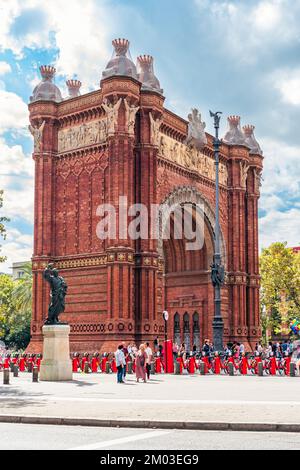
x,y
15,309
280,287
23,290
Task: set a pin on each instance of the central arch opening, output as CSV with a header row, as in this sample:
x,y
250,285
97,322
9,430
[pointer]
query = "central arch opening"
x,y
188,292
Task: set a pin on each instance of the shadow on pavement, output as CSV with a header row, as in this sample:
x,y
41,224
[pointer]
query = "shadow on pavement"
x,y
15,398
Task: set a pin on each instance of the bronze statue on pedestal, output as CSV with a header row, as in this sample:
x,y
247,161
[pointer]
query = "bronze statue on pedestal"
x,y
58,293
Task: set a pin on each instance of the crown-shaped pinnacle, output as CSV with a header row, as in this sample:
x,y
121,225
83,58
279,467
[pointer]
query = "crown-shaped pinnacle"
x,y
121,46
47,71
73,87
234,120
73,83
145,59
248,129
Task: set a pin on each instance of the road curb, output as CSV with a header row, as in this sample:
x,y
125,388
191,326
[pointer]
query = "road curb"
x,y
189,425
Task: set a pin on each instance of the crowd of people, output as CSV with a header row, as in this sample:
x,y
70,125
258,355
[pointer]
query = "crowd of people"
x,y
276,356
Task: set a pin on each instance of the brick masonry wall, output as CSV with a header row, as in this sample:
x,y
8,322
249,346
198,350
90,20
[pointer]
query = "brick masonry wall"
x,y
117,289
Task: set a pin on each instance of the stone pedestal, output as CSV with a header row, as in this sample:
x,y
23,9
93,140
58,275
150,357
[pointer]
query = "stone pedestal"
x,y
56,364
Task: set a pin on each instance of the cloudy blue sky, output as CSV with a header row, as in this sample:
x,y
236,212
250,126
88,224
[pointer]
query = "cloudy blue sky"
x,y
240,56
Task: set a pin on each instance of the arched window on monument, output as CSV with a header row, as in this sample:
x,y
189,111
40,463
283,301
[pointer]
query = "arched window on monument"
x,y
196,331
177,336
186,331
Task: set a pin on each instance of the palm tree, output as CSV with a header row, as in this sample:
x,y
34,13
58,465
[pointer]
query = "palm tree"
x,y
23,290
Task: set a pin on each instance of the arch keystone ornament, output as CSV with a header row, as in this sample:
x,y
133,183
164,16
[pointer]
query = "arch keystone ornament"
x,y
121,141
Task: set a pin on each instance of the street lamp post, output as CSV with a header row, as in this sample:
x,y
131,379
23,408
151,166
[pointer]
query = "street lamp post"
x,y
217,270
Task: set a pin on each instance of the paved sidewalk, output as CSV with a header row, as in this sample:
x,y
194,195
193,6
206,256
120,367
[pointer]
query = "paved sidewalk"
x,y
179,401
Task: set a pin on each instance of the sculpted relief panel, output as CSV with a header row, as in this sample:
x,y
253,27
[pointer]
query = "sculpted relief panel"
x,y
191,158
80,136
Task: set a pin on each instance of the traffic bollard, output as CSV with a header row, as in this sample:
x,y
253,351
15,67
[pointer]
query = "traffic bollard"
x,y
29,367
292,369
202,368
107,368
260,369
86,368
16,371
6,374
35,374
176,368
230,369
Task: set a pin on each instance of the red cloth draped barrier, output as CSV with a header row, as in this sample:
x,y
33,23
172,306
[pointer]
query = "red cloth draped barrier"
x,y
287,362
168,357
191,365
158,368
207,364
22,364
75,364
95,364
103,364
217,365
244,366
273,366
6,363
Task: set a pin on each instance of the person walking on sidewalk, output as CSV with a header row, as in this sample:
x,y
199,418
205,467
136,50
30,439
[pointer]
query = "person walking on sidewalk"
x,y
140,369
148,360
120,363
126,354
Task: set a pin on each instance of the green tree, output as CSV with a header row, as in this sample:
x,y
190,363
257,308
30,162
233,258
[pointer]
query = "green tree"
x,y
15,309
23,290
6,305
280,287
2,225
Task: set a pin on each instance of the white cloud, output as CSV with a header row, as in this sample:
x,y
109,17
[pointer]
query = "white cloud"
x,y
79,30
288,83
249,29
4,68
267,16
280,188
281,168
13,112
280,226
23,23
81,38
17,247
16,179
18,198
14,162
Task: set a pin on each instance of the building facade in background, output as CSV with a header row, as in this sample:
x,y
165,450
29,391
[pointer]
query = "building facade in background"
x,y
121,141
18,269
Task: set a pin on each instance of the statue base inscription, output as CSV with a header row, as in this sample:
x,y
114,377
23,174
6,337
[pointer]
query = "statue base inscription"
x,y
56,364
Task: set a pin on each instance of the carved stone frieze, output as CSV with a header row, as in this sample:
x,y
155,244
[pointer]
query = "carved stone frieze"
x,y
191,158
94,132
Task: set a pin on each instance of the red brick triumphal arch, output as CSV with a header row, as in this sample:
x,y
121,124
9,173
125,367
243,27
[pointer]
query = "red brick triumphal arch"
x,y
120,140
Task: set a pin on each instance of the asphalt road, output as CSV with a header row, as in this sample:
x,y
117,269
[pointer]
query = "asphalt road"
x,y
36,437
